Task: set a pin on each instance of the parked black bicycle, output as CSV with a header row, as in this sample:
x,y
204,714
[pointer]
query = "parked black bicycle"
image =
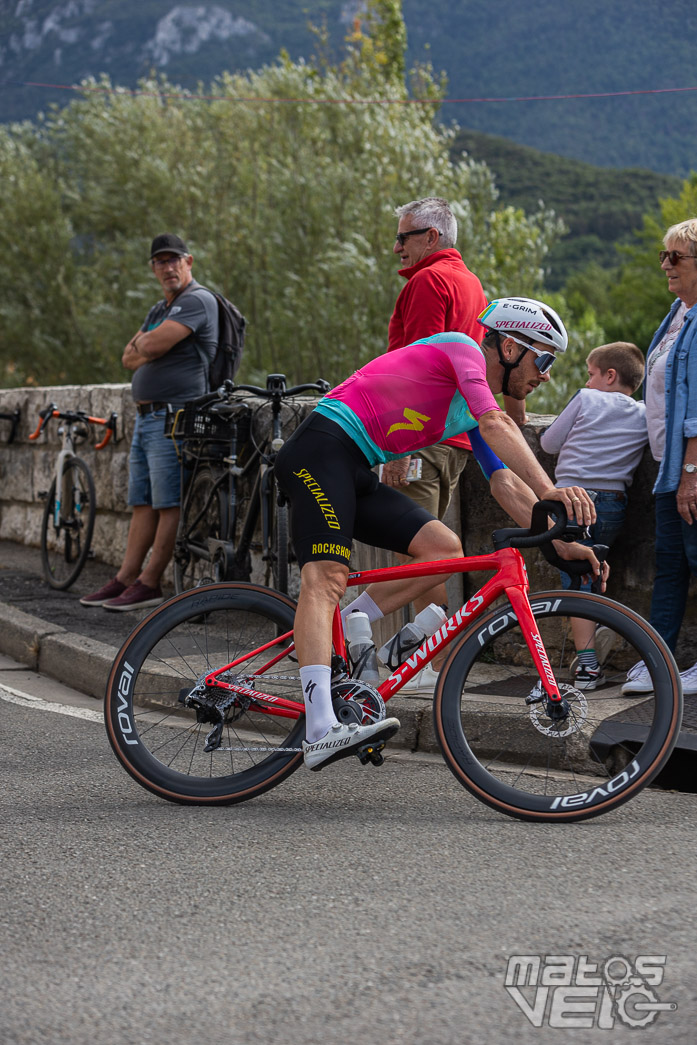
x,y
232,510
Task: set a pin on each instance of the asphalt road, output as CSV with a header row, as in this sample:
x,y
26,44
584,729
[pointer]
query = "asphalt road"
x,y
380,905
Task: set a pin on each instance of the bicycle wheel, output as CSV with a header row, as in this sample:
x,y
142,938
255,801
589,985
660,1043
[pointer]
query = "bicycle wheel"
x,y
65,546
160,740
202,516
492,722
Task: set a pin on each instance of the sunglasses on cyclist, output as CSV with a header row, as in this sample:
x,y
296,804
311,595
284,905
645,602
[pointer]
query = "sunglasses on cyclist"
x,y
673,256
544,360
401,236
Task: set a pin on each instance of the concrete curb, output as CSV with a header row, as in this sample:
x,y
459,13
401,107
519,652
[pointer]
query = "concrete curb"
x,y
84,663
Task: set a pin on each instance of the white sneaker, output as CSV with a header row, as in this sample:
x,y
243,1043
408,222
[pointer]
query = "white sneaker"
x,y
342,739
638,680
424,682
689,681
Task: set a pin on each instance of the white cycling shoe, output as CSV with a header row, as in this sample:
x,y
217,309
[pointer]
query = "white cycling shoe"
x,y
345,739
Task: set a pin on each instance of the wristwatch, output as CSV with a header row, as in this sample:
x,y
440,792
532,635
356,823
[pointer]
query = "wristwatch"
x,y
689,468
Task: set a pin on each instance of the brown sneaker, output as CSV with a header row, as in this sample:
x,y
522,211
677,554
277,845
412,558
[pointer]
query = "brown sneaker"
x,y
108,591
137,596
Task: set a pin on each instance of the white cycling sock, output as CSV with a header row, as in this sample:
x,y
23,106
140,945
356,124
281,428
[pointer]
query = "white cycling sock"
x,y
363,604
315,680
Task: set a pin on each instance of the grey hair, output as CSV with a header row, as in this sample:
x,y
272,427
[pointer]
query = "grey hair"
x,y
684,230
434,212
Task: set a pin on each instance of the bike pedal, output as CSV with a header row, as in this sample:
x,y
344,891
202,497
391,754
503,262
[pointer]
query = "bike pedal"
x,y
42,495
371,753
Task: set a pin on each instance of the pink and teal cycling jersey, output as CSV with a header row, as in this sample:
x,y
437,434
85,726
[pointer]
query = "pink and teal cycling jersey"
x,y
415,397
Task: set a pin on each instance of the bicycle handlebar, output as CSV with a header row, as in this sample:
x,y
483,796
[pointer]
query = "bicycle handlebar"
x,y
74,417
540,535
274,390
539,532
280,392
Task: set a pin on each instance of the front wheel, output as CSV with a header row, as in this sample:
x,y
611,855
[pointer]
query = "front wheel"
x,y
159,734
68,524
514,751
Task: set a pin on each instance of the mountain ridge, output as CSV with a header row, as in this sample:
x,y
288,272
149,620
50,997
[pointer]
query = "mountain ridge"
x,y
494,49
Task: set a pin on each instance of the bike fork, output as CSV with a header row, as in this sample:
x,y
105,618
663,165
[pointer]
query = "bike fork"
x,y
523,611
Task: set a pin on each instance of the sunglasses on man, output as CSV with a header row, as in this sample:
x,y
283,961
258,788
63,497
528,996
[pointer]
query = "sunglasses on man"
x,y
401,236
543,360
673,256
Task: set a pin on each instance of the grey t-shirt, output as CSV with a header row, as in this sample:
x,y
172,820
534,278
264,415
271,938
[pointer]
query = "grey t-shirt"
x,y
181,373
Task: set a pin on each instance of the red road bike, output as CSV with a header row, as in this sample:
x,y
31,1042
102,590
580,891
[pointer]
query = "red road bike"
x,y
203,703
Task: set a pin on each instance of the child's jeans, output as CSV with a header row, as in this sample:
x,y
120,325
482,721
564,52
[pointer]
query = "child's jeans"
x,y
610,509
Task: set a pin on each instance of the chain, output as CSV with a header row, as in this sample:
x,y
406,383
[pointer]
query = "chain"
x,y
255,749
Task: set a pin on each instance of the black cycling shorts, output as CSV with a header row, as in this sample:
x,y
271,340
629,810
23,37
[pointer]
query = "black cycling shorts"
x,y
335,496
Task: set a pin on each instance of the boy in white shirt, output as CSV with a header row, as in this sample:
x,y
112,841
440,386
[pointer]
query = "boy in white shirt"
x,y
600,438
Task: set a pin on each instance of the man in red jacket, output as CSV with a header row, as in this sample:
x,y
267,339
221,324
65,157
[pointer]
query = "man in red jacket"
x,y
440,294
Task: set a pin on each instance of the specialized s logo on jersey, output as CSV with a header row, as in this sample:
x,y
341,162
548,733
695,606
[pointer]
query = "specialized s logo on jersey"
x,y
414,422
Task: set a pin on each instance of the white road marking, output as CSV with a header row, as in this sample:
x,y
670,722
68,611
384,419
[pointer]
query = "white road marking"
x,y
25,700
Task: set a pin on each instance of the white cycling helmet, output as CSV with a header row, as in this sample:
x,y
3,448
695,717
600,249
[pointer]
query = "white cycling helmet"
x,y
526,316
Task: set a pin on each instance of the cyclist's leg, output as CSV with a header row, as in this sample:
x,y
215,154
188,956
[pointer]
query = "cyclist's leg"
x,y
322,584
387,519
321,474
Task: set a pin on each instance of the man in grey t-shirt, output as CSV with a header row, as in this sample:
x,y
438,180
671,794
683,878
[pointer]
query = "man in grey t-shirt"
x,y
169,357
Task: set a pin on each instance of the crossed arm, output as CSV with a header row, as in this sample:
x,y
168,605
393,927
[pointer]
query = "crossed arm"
x,y
146,345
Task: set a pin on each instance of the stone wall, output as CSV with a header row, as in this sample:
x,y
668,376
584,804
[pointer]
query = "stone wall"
x,y
26,469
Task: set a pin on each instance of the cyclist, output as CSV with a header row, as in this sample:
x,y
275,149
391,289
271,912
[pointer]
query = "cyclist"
x,y
398,403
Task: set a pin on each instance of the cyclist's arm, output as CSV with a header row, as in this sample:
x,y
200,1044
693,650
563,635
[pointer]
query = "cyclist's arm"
x,y
147,345
506,440
517,500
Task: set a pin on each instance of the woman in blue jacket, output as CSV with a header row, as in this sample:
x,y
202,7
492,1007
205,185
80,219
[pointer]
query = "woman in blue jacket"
x,y
670,391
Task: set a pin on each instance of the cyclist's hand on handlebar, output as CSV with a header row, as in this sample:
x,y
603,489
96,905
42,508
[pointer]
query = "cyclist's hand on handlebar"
x,y
394,473
577,551
576,501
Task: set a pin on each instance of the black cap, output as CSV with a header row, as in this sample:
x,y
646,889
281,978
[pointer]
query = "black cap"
x,y
168,243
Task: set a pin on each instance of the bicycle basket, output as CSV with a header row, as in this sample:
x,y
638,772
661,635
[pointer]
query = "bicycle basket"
x,y
197,423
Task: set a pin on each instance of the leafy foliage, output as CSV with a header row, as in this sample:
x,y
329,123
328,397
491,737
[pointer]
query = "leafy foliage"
x,y
599,207
287,208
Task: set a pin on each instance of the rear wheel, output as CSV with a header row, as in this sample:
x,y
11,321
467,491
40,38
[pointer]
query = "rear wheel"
x,y
66,534
160,738
514,751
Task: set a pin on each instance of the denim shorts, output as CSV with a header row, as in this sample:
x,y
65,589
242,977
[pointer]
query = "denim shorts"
x,y
610,509
153,464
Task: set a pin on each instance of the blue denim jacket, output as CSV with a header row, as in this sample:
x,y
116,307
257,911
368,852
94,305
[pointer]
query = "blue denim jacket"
x,y
681,397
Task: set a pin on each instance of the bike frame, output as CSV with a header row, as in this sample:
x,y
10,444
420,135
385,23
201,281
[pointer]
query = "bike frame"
x,y
510,579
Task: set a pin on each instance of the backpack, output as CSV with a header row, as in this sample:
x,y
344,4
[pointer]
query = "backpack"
x,y
228,353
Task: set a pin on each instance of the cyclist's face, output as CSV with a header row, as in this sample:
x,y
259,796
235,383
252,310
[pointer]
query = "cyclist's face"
x,y
524,378
172,272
